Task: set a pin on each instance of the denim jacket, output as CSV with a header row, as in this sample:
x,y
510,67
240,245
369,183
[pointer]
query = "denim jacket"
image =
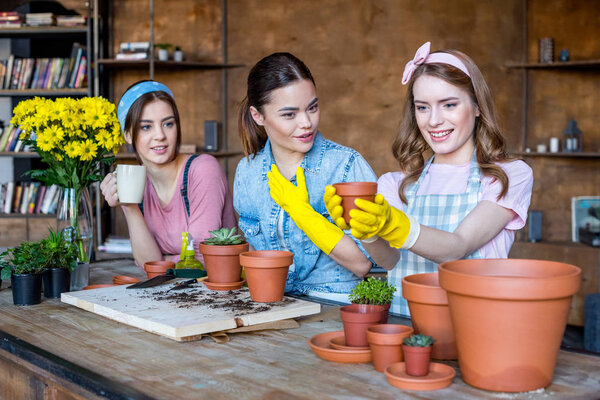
x,y
326,163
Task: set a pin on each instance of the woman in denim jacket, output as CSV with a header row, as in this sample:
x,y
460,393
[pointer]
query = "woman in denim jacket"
x,y
278,188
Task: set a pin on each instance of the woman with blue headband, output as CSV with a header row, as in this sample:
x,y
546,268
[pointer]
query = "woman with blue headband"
x,y
183,193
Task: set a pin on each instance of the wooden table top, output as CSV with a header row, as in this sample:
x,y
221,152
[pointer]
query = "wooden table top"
x,y
272,364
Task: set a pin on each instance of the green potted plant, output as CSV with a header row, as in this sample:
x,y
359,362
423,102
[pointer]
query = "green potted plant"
x,y
221,255
373,291
417,354
163,50
60,259
23,265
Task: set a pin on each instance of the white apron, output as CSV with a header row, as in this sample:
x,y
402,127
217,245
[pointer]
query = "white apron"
x,y
440,211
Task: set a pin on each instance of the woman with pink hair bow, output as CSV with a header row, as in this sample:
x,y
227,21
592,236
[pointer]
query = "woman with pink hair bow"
x,y
458,194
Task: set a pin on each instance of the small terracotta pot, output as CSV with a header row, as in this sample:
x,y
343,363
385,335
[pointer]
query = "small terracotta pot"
x,y
222,263
99,286
417,360
386,343
350,191
266,273
509,317
155,268
356,319
429,312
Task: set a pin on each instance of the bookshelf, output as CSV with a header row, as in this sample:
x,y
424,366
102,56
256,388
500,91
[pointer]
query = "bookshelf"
x,y
32,44
110,70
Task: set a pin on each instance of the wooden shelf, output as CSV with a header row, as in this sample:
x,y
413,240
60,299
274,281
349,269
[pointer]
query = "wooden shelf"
x,y
18,215
19,154
112,63
217,154
42,30
580,64
560,154
44,92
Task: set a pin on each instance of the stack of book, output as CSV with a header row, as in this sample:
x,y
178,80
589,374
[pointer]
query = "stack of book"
x,y
9,140
10,19
70,20
29,198
45,73
39,19
133,51
115,244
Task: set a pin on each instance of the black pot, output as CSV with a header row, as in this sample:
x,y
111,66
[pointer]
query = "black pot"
x,y
26,289
56,281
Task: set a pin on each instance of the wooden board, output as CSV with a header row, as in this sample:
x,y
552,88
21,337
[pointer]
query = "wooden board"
x,y
186,314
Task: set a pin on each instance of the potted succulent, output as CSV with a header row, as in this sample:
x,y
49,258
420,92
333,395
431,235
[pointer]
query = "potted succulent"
x,y
373,291
417,354
60,259
221,253
23,265
163,50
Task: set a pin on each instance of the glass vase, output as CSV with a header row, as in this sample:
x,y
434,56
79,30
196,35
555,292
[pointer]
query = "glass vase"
x,y
74,218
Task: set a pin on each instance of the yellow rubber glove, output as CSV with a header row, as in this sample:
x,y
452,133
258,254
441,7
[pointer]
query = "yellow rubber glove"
x,y
380,219
333,203
294,200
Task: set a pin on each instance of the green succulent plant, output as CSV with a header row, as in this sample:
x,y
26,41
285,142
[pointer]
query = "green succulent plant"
x,y
224,237
418,340
372,291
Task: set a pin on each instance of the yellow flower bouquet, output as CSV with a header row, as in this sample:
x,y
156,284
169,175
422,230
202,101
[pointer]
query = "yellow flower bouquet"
x,y
74,137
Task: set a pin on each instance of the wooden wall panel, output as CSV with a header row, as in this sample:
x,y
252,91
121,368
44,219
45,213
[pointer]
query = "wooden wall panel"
x,y
38,227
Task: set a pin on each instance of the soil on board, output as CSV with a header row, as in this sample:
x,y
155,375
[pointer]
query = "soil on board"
x,y
194,295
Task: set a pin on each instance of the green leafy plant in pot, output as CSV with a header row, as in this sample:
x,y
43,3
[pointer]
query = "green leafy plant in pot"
x,y
60,260
221,255
373,291
163,50
417,354
23,265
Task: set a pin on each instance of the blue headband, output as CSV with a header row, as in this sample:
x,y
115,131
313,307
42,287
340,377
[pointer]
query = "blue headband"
x,y
135,93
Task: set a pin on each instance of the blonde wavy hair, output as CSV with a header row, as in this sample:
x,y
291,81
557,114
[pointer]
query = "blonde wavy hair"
x,y
410,148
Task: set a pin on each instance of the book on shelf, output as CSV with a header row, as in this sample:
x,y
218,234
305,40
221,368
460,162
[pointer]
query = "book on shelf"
x,y
70,20
136,56
115,244
33,197
40,197
9,66
14,139
6,134
39,19
10,190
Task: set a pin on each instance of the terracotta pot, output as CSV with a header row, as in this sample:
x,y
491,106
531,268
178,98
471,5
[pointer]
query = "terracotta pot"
x,y
266,273
509,318
386,343
99,286
429,312
356,319
155,268
350,191
222,263
417,360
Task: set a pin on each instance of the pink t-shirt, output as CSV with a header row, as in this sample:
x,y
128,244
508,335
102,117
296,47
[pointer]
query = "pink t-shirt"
x,y
452,179
211,207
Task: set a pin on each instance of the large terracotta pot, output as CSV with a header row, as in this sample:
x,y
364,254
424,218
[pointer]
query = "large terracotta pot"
x,y
350,191
356,319
222,263
386,343
509,318
429,312
266,273
155,268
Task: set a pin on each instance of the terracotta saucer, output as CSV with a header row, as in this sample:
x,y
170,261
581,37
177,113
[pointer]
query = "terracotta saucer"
x,y
320,345
222,286
102,285
124,280
339,343
439,377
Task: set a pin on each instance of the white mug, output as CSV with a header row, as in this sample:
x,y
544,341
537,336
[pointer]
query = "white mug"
x,y
131,182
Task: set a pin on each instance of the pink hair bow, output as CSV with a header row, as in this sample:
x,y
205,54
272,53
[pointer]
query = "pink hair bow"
x,y
411,66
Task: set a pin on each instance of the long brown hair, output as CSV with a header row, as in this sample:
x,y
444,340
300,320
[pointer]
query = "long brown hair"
x,y
134,115
410,148
272,72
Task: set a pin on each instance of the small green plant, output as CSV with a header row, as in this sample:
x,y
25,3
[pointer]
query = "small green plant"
x,y
26,258
164,46
58,252
224,237
372,291
419,340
